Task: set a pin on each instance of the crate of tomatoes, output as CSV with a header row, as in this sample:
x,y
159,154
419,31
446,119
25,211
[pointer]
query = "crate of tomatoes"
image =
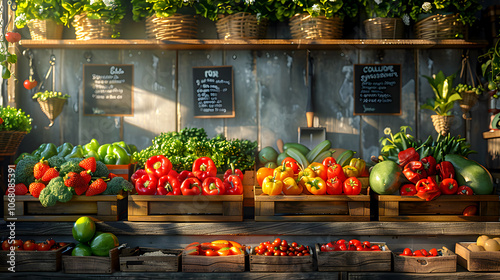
x,y
215,256
282,256
425,260
319,192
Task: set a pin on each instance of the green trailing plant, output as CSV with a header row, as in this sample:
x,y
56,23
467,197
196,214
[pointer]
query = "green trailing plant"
x,y
341,8
490,67
142,9
445,94
12,119
49,94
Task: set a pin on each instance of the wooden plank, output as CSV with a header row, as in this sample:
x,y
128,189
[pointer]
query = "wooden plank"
x,y
33,260
435,207
191,263
266,208
133,259
35,208
92,264
438,218
301,207
232,208
137,208
313,218
168,208
185,218
477,261
353,260
445,263
260,263
358,208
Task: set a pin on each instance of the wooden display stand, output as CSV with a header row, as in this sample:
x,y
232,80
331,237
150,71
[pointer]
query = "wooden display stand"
x,y
92,264
33,260
477,261
354,260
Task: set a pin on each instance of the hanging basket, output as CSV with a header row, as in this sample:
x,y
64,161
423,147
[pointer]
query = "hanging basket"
x,y
439,27
173,27
304,26
241,26
469,99
45,30
89,29
10,141
384,28
442,124
52,107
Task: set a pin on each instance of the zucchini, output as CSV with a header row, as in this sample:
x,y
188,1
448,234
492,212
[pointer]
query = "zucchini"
x,y
321,147
301,148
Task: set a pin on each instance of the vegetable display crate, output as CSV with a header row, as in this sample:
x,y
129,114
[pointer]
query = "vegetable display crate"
x,y
197,263
354,260
260,263
33,260
313,208
477,261
447,262
124,171
185,208
445,208
92,264
157,260
102,207
248,183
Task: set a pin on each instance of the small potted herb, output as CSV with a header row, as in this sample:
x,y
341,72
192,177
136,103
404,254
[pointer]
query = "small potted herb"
x,y
14,125
386,19
45,18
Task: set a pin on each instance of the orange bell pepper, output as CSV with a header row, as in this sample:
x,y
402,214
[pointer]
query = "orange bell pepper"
x,y
305,175
319,169
281,172
271,186
262,173
359,163
316,186
290,187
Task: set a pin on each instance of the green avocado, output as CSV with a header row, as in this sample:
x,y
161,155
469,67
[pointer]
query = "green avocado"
x,y
102,243
385,177
83,229
472,174
268,154
81,250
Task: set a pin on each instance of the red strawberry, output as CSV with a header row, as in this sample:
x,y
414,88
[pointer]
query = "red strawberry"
x,y
40,168
50,174
19,189
97,187
36,188
73,179
82,188
88,164
86,176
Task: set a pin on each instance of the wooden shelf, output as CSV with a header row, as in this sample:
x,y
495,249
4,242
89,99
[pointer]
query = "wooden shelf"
x,y
260,44
491,134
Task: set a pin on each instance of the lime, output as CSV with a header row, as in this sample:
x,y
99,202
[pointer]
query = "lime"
x,y
102,243
83,229
81,250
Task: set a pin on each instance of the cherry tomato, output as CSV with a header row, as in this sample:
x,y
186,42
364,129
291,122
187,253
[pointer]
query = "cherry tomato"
x,y
417,253
355,242
299,254
283,253
424,252
51,242
343,247
29,245
341,241
18,244
433,252
277,242
211,253
367,244
375,248
294,244
268,253
283,248
407,252
470,210
284,243
44,246
291,254
6,245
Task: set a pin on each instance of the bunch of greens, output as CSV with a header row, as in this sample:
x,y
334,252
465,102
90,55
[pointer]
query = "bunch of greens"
x,y
142,9
28,10
388,9
12,119
49,94
465,9
329,9
445,94
184,147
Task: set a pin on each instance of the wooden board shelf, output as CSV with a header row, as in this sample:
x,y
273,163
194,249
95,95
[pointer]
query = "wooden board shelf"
x,y
254,44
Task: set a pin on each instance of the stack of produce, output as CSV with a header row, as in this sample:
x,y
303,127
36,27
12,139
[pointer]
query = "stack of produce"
x,y
90,241
485,243
281,248
351,245
296,175
421,253
158,178
427,169
215,248
184,147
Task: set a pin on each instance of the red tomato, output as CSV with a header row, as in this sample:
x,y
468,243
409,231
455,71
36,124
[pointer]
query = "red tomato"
x,y
277,242
341,241
329,161
367,244
424,252
433,252
470,210
44,246
51,242
283,253
343,247
418,253
336,171
352,186
355,242
268,253
334,186
407,252
375,248
284,243
211,253
294,244
6,245
299,254
29,245
12,37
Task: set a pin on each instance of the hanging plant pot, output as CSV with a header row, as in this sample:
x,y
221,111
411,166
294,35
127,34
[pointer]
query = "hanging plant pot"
x,y
177,26
52,108
45,29
305,26
10,141
241,26
384,28
469,99
442,124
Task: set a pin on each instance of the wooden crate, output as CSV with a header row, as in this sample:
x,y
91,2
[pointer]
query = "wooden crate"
x,y
133,259
313,208
101,207
445,208
33,260
185,208
445,263
92,264
259,263
355,261
124,171
249,180
197,263
477,261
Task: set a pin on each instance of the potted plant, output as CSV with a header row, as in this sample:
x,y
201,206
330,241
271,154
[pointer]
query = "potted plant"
x,y
438,19
386,19
14,125
317,19
51,103
45,18
445,96
96,19
167,19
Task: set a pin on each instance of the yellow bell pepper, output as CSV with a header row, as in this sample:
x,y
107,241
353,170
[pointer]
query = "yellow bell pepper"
x,y
304,176
350,171
281,172
359,163
290,187
271,186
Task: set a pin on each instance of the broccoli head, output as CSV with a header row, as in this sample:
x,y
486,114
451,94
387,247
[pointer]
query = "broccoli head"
x,y
70,166
101,170
117,184
54,192
56,161
24,171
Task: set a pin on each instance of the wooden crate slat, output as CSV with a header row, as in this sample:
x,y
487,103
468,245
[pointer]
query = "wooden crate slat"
x,y
185,218
445,263
230,208
354,261
61,208
175,207
34,260
477,261
266,208
133,260
92,264
313,218
438,218
281,264
436,207
137,208
320,207
235,263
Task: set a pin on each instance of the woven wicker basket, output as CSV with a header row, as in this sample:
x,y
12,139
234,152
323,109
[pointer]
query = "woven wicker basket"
x,y
304,26
442,124
241,26
173,27
439,27
52,108
469,99
10,141
45,29
88,29
384,28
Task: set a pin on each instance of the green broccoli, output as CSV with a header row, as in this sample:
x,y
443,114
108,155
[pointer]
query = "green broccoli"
x,y
55,191
117,184
70,166
56,161
101,170
24,171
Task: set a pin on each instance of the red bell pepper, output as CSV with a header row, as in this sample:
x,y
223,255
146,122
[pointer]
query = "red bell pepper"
x,y
414,171
429,165
233,185
352,186
329,161
137,174
408,155
448,186
233,171
446,170
213,186
319,169
204,167
146,185
292,163
184,175
465,190
159,166
334,186
169,185
408,190
336,171
191,186
427,189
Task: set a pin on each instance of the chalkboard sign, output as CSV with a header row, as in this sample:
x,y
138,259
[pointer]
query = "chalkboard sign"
x,y
108,90
377,89
213,92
